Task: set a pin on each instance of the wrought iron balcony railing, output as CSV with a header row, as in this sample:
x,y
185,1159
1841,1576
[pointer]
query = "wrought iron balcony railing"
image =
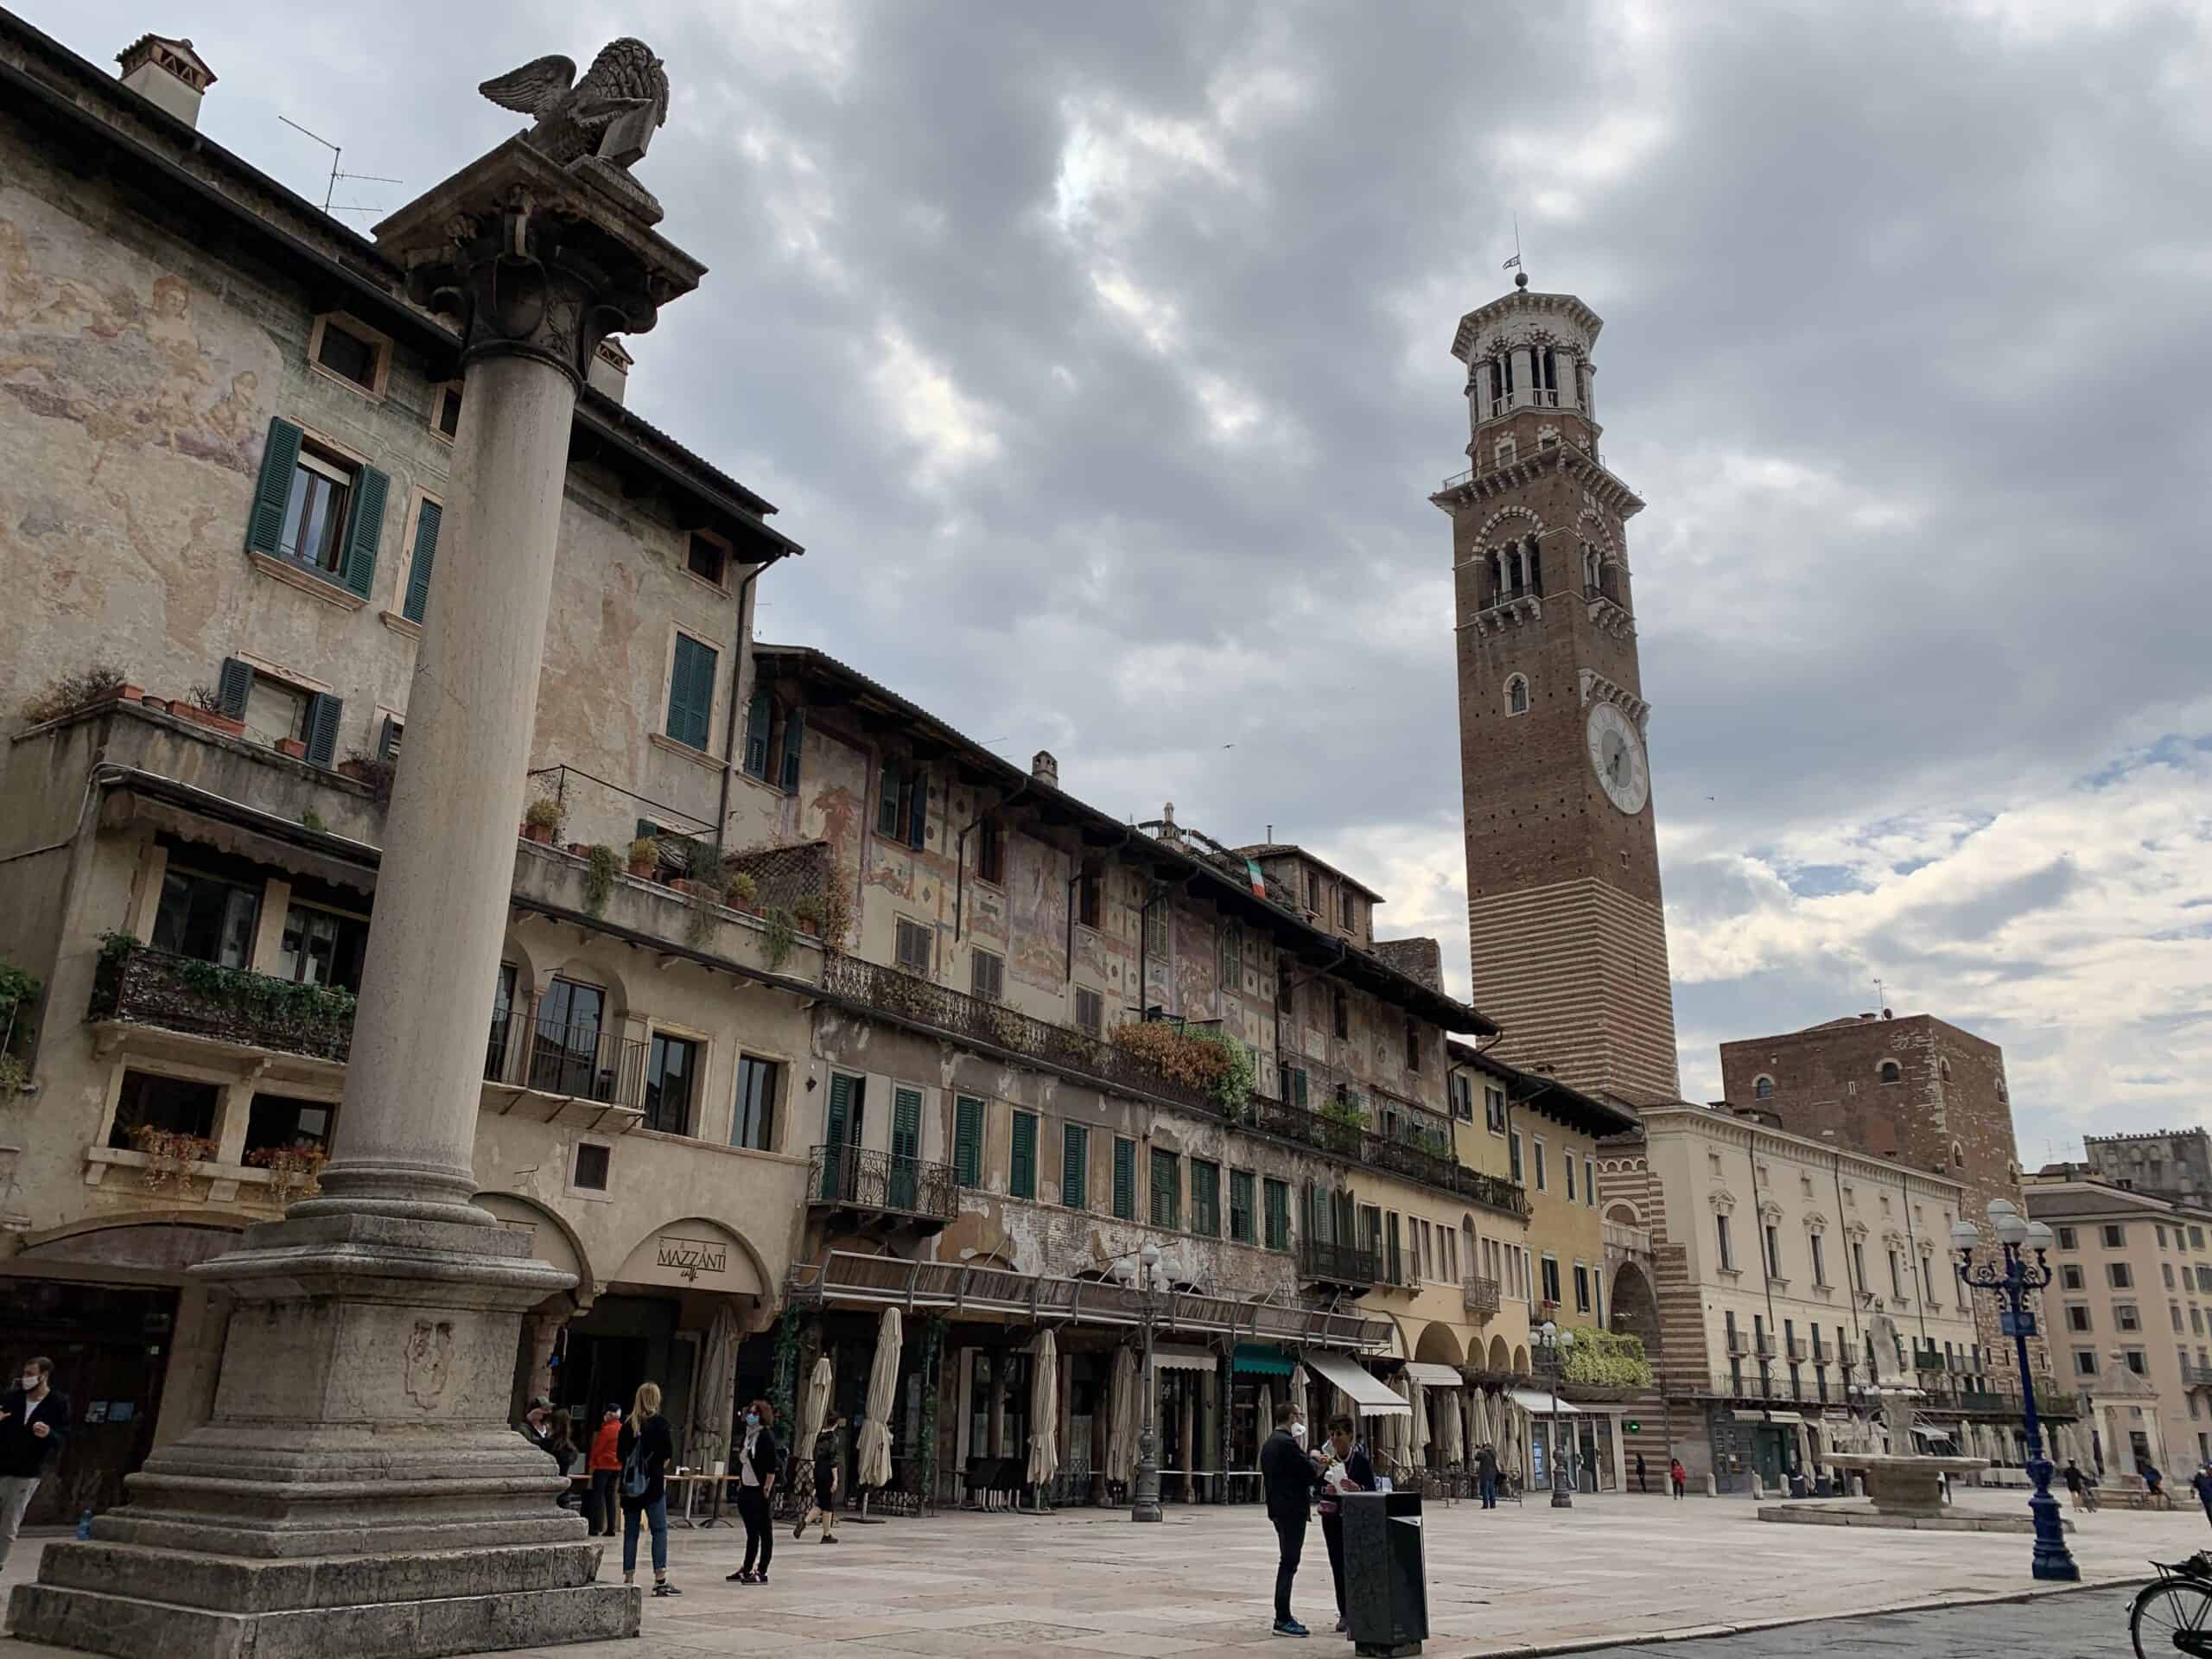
x,y
1324,1261
531,1047
137,983
1483,1298
853,1178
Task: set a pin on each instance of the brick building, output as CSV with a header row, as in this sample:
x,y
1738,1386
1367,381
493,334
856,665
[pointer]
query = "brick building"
x,y
2174,1162
1565,927
1917,1090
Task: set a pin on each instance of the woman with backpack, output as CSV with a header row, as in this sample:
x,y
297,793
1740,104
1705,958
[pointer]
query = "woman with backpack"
x,y
647,1447
758,1464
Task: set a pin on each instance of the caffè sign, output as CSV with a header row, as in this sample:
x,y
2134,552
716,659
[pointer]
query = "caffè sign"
x,y
689,1257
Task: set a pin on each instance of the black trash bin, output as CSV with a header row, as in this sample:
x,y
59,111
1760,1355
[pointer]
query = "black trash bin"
x,y
1386,1573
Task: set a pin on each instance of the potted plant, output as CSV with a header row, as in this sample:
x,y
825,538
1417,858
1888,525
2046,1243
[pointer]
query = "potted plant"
x,y
205,705
88,687
542,820
292,746
742,893
599,868
806,911
645,857
294,1172
170,1155
702,867
372,770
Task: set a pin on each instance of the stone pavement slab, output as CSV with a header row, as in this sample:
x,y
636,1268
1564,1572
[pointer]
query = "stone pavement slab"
x,y
1088,1583
2087,1624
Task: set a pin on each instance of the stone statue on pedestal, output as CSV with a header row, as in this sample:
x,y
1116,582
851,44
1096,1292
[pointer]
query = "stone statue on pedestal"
x,y
612,113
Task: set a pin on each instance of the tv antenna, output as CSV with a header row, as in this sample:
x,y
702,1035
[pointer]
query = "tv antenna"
x,y
330,190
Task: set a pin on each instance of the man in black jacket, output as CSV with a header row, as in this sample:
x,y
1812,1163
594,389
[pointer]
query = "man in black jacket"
x,y
1289,1479
33,1423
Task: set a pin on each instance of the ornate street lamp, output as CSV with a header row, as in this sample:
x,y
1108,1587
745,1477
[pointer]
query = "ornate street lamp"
x,y
2016,1236
1149,1274
1556,1345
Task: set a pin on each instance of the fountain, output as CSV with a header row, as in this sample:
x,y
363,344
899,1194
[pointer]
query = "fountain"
x,y
1904,1488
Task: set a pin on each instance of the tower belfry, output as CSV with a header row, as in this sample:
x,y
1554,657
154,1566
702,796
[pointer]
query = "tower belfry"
x,y
1565,927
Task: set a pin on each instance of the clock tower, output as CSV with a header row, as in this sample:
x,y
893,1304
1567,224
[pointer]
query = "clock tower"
x,y
1565,928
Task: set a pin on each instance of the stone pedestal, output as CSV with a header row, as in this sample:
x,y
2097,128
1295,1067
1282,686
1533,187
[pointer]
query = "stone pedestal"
x,y
357,1492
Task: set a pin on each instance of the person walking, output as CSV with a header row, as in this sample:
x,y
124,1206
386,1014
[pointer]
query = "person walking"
x,y
1677,1476
2075,1480
1289,1479
2152,1479
605,1465
828,1459
1350,1470
647,1447
758,1464
1486,1474
34,1427
1639,1472
2201,1482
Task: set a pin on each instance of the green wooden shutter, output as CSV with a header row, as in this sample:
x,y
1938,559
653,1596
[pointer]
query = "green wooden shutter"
x,y
323,716
280,458
967,1140
233,684
832,1134
1021,1179
1298,1088
388,738
1074,1166
1166,1190
370,488
690,691
758,715
906,1146
887,805
1125,1179
794,737
426,553
917,827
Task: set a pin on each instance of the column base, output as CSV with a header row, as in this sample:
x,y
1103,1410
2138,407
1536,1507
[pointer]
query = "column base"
x,y
358,1491
161,1604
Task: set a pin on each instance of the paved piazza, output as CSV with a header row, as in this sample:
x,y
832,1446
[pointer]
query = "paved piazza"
x,y
1616,1569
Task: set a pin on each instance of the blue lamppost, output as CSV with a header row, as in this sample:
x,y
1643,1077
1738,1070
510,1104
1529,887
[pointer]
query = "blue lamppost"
x,y
2016,1236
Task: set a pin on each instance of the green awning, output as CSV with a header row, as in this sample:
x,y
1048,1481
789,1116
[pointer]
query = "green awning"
x,y
1261,1360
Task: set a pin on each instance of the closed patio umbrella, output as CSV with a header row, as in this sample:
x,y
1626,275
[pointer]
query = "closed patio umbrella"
x,y
1298,1398
715,1397
1266,1423
1479,1411
1121,1425
882,1389
1044,1412
1417,1424
1452,1450
814,1409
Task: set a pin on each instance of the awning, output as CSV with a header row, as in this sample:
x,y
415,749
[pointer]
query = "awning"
x,y
1928,1434
1167,1357
1258,1359
1541,1404
1430,1374
1371,1397
1782,1417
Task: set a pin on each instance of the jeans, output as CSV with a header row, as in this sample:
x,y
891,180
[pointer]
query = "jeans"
x,y
14,1497
1290,1537
1490,1491
1333,1534
598,1502
656,1515
760,1530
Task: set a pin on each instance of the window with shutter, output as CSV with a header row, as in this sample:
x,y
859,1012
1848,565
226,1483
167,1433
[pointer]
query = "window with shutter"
x,y
323,716
1277,1195
887,798
967,1140
1125,1179
426,553
388,738
1089,1012
905,1147
691,690
233,685
841,1119
1205,1199
1232,956
990,851
1166,1190
1089,899
915,955
758,715
1240,1206
917,810
1074,1166
794,741
370,489
987,975
1021,1177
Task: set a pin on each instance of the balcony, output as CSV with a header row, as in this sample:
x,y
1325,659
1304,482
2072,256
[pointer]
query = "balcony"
x,y
1482,1297
1765,1346
1764,1386
1619,1235
908,996
879,1186
1324,1261
135,984
1926,1360
1797,1352
1738,1343
2197,1376
531,1048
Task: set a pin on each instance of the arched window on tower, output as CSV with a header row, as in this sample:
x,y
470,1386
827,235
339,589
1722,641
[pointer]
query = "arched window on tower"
x,y
1609,580
1547,366
1535,567
1764,1089
1517,694
1891,1072
1590,569
1501,576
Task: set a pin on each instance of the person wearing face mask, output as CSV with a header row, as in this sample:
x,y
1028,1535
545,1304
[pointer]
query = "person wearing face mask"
x,y
757,1460
33,1423
1289,1479
1350,1470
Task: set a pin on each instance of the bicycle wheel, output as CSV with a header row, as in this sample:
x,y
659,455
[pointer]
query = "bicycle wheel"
x,y
2173,1616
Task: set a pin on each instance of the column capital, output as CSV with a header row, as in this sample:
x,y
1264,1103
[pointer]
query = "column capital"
x,y
537,258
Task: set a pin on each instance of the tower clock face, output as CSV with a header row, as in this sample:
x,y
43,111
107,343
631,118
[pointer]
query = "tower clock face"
x,y
1616,755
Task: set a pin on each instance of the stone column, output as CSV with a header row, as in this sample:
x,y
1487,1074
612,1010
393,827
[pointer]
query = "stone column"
x,y
358,1488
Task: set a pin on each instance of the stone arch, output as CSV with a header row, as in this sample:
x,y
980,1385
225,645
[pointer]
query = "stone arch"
x,y
1622,1213
1521,1362
696,1252
144,1238
1499,1359
1517,694
1634,1310
551,1240
1440,1344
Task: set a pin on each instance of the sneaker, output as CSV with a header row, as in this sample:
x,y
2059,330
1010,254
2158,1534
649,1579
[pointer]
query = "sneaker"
x,y
830,1538
1343,1627
761,1576
743,1575
665,1588
1290,1627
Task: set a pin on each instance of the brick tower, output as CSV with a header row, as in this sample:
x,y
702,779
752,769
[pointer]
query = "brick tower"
x,y
1568,935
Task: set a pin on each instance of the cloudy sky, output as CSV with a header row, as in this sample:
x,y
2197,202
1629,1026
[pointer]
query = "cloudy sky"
x,y
1099,354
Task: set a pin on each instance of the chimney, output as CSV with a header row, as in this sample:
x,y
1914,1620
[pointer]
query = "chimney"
x,y
610,369
168,74
1044,768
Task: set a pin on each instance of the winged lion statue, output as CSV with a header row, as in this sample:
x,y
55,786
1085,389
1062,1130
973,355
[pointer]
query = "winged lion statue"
x,y
612,113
